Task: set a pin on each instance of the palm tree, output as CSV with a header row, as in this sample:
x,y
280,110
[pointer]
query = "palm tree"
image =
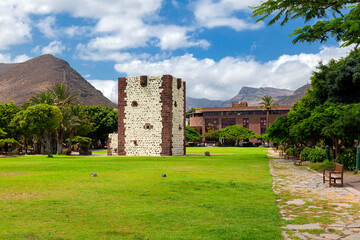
x,y
62,96
42,97
63,99
268,103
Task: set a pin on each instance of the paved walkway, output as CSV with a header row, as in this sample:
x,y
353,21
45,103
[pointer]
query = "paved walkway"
x,y
309,208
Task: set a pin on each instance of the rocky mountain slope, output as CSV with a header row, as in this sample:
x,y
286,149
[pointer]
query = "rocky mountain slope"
x,y
19,82
252,96
300,92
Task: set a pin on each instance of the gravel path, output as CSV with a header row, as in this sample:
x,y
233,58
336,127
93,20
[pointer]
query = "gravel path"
x,y
309,208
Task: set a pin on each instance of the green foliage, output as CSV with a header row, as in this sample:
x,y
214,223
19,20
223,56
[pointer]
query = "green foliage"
x,y
348,158
42,97
338,81
237,132
320,166
2,133
305,153
332,19
192,110
82,142
80,139
213,134
7,113
104,120
40,120
317,155
62,96
11,141
268,103
192,135
290,151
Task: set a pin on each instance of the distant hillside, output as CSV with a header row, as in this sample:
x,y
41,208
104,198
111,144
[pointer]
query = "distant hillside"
x,y
253,95
299,93
19,82
201,102
247,94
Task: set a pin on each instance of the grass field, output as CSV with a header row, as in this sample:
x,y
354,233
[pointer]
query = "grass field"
x,y
224,196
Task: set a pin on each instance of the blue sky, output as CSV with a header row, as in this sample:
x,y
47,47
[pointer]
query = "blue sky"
x,y
214,45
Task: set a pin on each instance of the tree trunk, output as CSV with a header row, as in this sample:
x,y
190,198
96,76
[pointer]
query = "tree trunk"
x,y
47,143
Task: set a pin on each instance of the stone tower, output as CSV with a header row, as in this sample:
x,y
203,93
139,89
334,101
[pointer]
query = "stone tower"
x,y
151,117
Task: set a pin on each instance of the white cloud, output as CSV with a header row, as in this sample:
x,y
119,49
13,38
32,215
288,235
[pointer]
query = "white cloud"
x,y
47,27
112,25
223,79
55,47
6,58
211,14
107,87
174,37
14,27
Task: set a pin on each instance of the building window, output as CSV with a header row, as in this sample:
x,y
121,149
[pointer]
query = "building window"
x,y
226,122
211,123
246,122
262,125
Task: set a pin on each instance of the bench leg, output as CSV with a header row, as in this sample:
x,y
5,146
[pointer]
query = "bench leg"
x,y
323,178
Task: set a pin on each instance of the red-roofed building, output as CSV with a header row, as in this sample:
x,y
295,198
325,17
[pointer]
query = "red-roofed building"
x,y
251,117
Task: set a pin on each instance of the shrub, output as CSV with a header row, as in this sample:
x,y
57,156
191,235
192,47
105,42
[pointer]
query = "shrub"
x,y
290,151
305,153
317,155
348,158
14,152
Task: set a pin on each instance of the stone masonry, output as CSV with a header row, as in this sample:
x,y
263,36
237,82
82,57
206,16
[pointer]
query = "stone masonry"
x,y
151,117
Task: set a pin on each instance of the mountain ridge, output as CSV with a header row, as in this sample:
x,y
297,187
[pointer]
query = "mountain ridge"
x,y
19,82
252,96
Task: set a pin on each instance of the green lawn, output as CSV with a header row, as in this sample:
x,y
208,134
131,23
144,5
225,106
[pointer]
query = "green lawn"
x,y
224,196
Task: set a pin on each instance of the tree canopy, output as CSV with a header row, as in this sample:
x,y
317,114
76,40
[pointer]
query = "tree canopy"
x,y
41,120
333,18
329,113
192,135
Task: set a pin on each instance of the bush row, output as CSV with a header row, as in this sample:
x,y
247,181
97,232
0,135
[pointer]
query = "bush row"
x,y
317,154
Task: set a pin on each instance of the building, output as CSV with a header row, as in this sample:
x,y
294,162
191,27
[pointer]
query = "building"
x,y
151,117
251,117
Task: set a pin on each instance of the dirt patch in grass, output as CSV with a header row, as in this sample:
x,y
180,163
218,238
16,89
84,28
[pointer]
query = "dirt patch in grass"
x,y
20,195
8,174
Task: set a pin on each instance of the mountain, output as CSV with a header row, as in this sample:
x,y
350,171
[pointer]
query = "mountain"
x,y
299,93
19,82
201,102
253,95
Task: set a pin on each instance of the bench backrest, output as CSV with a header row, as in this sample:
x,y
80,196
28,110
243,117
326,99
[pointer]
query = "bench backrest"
x,y
339,167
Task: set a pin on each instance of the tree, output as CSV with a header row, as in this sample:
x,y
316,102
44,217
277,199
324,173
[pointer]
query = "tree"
x,y
62,96
104,120
237,133
42,97
2,133
333,18
268,103
42,120
7,113
192,135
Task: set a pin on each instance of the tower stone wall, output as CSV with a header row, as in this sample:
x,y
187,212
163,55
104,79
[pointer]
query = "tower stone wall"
x,y
151,116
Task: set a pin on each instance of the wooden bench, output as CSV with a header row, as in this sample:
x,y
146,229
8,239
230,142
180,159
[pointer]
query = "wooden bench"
x,y
334,174
298,161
